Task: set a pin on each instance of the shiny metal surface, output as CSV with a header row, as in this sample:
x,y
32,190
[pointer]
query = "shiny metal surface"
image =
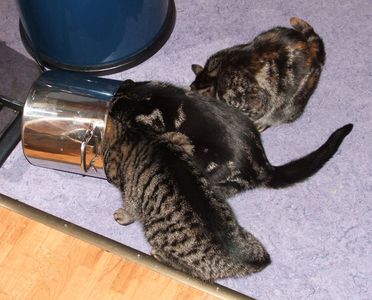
x,y
64,121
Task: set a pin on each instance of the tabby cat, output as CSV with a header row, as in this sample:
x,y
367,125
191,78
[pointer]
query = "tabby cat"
x,y
269,79
225,144
188,227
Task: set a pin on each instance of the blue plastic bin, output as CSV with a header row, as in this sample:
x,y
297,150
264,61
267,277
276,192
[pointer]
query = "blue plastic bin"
x,y
95,35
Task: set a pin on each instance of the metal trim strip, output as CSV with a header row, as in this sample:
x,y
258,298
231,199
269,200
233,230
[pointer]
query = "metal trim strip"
x,y
117,248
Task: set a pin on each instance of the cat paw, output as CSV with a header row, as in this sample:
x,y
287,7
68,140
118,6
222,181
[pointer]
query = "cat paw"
x,y
155,254
158,255
122,217
261,127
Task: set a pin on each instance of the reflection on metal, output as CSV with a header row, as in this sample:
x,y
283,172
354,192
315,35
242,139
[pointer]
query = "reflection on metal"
x,y
117,248
89,134
64,122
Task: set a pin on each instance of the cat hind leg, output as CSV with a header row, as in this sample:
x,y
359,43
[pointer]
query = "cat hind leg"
x,y
261,125
123,217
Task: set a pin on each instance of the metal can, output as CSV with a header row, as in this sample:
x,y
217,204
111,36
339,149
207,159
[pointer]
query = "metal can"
x,y
64,122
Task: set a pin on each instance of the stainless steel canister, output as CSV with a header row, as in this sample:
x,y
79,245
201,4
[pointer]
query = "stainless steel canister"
x,y
64,121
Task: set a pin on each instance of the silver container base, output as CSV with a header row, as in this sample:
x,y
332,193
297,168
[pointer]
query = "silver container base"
x,y
64,122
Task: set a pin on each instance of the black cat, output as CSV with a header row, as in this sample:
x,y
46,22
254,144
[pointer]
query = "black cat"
x,y
224,143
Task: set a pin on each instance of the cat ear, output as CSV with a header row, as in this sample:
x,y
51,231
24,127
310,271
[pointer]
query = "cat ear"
x,y
197,69
213,67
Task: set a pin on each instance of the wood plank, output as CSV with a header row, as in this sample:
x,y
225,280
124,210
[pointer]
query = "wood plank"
x,y
38,262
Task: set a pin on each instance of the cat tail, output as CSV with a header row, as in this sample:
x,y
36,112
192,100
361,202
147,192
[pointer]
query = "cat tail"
x,y
315,42
300,169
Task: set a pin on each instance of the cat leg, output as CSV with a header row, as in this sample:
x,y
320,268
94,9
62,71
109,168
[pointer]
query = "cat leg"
x,y
261,125
156,254
123,217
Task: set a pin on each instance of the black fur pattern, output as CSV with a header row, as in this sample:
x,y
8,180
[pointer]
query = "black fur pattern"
x,y
225,144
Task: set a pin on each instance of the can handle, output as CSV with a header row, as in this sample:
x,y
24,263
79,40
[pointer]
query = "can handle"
x,y
83,149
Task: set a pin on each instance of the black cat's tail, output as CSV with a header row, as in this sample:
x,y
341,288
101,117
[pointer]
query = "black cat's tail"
x,y
300,169
316,44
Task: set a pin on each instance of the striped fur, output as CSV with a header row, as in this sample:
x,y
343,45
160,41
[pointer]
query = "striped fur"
x,y
176,156
188,227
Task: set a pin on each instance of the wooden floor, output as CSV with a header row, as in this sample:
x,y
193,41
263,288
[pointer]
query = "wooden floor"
x,y
38,262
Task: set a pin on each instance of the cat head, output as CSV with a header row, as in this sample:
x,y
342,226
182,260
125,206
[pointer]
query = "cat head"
x,y
205,80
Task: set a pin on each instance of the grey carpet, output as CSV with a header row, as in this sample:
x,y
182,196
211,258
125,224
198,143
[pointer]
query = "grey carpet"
x,y
317,232
17,74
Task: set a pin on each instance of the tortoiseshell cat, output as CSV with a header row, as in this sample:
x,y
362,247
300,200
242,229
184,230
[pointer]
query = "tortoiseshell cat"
x,y
269,79
224,143
188,227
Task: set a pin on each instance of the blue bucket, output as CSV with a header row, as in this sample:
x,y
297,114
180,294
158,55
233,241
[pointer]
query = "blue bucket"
x,y
95,35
